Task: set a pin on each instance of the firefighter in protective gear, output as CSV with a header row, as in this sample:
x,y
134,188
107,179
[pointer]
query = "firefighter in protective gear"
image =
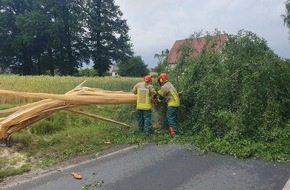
x,y
169,93
144,91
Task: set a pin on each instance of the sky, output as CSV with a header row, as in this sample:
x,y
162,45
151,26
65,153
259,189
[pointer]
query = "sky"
x,y
156,24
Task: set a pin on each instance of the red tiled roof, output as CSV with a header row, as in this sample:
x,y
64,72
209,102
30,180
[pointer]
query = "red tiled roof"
x,y
196,43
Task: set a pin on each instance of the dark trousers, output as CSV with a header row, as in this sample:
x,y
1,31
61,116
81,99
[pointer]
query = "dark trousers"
x,y
144,121
171,114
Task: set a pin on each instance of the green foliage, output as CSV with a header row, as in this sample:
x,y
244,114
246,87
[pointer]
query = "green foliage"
x,y
134,67
42,36
87,73
236,98
50,125
57,37
162,61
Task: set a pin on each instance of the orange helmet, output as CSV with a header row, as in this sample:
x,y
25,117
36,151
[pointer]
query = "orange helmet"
x,y
163,76
148,78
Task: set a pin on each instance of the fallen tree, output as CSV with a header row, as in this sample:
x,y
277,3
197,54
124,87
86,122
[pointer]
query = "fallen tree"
x,y
24,116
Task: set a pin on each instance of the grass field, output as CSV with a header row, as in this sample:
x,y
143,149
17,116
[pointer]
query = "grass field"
x,y
59,85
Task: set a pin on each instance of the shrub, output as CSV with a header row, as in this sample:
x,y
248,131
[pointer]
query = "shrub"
x,y
239,94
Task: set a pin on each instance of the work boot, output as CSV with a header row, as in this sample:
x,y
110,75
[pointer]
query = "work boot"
x,y
171,131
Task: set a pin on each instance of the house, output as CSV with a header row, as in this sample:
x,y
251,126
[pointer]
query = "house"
x,y
197,44
114,71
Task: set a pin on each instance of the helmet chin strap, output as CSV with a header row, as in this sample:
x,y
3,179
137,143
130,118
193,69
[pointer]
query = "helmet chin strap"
x,y
160,81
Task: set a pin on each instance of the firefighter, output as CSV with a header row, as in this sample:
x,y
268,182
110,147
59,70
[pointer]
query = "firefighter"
x,y
145,91
169,93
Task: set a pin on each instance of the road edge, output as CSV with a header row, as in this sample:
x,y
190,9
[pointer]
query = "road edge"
x,y
287,185
13,181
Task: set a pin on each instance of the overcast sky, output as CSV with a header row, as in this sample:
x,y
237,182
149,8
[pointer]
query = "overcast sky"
x,y
156,24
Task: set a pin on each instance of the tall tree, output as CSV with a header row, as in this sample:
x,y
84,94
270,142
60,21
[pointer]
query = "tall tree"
x,y
15,48
109,40
33,27
7,31
40,36
67,48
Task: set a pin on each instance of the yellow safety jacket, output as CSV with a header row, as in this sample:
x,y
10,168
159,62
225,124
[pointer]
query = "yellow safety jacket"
x,y
170,94
143,99
144,92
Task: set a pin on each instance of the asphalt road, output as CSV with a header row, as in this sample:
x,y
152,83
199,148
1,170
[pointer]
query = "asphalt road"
x,y
158,167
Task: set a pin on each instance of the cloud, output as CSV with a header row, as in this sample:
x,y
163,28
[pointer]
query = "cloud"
x,y
155,25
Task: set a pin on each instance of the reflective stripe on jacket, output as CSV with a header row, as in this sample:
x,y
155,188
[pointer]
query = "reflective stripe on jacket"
x,y
144,92
143,99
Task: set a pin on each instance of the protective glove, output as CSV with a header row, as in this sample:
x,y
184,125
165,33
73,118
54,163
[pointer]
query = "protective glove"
x,y
154,101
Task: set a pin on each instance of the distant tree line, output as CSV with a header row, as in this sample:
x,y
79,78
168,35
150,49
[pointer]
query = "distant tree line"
x,y
58,36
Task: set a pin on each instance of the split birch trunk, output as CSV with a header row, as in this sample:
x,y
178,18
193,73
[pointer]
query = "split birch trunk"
x,y
23,116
